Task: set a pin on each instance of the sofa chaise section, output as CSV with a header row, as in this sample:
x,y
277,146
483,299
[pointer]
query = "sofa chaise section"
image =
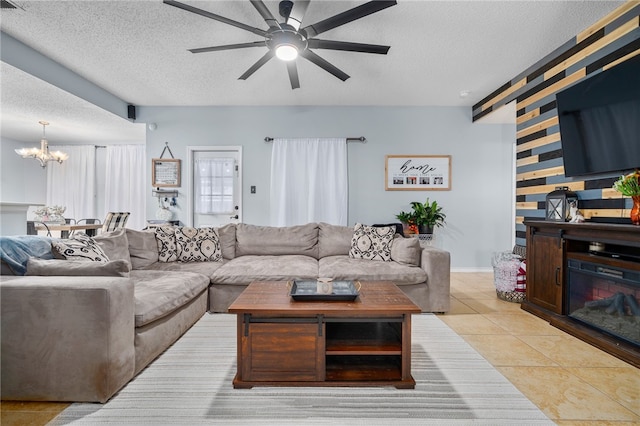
x,y
70,337
66,338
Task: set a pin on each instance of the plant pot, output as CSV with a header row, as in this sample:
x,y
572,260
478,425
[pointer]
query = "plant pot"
x,y
405,228
635,210
425,229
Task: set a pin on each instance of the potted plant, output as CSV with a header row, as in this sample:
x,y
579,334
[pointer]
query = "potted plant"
x,y
629,185
427,216
408,222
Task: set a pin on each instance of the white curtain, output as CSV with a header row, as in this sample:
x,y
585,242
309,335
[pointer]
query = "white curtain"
x,y
72,184
125,189
213,182
309,181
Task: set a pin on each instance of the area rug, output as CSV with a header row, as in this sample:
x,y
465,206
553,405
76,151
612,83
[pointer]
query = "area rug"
x,y
190,384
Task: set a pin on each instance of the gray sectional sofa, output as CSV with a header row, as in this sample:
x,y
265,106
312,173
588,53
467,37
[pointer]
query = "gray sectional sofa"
x,y
79,331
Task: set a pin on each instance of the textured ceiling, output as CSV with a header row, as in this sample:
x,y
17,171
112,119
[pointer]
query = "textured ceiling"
x,y
137,50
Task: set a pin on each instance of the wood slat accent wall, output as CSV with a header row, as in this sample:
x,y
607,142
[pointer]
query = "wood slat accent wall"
x,y
539,168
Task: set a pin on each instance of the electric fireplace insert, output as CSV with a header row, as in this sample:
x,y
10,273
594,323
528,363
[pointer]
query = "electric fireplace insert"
x,y
605,297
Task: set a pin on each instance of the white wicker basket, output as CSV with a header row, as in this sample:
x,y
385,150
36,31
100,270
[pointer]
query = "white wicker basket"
x,y
505,271
511,296
505,276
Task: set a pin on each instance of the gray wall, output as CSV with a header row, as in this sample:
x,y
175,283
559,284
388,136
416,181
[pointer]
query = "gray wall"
x,y
478,207
21,180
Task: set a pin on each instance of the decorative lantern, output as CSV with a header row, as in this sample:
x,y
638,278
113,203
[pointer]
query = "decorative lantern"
x,y
558,202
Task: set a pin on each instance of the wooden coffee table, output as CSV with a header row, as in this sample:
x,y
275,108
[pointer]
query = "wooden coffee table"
x,y
282,342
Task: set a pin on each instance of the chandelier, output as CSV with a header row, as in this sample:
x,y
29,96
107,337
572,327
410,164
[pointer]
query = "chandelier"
x,y
42,154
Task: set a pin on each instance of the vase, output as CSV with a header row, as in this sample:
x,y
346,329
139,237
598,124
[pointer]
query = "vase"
x,y
635,210
163,213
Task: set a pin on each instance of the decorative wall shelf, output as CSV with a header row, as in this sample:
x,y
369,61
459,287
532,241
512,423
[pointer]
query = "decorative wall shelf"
x,y
164,193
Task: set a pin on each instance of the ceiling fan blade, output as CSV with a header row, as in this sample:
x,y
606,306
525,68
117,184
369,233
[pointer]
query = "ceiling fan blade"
x,y
215,17
297,13
309,55
348,16
228,47
257,65
266,15
348,46
293,74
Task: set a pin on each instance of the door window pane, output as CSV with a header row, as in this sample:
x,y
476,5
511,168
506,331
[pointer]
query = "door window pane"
x,y
213,182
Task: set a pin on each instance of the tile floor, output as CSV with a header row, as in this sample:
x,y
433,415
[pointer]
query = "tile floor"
x,y
572,382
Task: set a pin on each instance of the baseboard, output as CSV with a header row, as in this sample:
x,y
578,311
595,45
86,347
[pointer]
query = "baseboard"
x,y
472,269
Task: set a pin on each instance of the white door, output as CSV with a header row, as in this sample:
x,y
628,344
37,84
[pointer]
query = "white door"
x,y
215,185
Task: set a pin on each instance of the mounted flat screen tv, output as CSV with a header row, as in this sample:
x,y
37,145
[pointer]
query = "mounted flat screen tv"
x,y
600,122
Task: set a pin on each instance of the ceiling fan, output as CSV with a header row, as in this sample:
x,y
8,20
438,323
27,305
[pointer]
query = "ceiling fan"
x,y
286,40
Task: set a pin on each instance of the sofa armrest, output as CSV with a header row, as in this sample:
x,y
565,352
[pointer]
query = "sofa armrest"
x,y
66,338
437,264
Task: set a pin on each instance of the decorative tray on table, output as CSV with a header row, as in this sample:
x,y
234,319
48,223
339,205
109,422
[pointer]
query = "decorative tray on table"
x,y
313,290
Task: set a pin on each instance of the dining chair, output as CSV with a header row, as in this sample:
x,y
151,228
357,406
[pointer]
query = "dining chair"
x,y
67,221
88,221
115,220
31,227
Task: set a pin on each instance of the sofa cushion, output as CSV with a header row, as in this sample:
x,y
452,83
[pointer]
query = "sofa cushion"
x,y
204,268
57,267
143,248
372,243
346,268
333,239
159,293
272,241
245,269
197,244
79,247
115,244
227,235
166,241
406,250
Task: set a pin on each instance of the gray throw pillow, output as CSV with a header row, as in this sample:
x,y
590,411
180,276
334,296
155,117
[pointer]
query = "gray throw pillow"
x,y
406,250
227,235
57,267
114,244
143,248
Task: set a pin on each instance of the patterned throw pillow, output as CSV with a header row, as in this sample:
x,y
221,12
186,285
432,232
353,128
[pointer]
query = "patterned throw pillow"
x,y
166,240
198,245
79,247
372,243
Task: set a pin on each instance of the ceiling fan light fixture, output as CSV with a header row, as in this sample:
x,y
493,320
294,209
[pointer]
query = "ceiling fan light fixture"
x,y
286,43
286,52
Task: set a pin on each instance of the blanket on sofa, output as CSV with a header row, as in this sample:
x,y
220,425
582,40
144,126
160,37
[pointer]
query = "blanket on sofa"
x,y
15,251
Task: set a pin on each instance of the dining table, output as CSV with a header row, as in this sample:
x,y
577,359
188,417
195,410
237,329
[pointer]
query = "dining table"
x,y
89,228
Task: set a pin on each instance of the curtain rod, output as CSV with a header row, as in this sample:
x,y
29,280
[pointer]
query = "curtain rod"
x,y
361,139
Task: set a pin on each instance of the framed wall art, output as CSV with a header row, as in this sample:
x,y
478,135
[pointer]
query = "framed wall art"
x,y
417,173
165,172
